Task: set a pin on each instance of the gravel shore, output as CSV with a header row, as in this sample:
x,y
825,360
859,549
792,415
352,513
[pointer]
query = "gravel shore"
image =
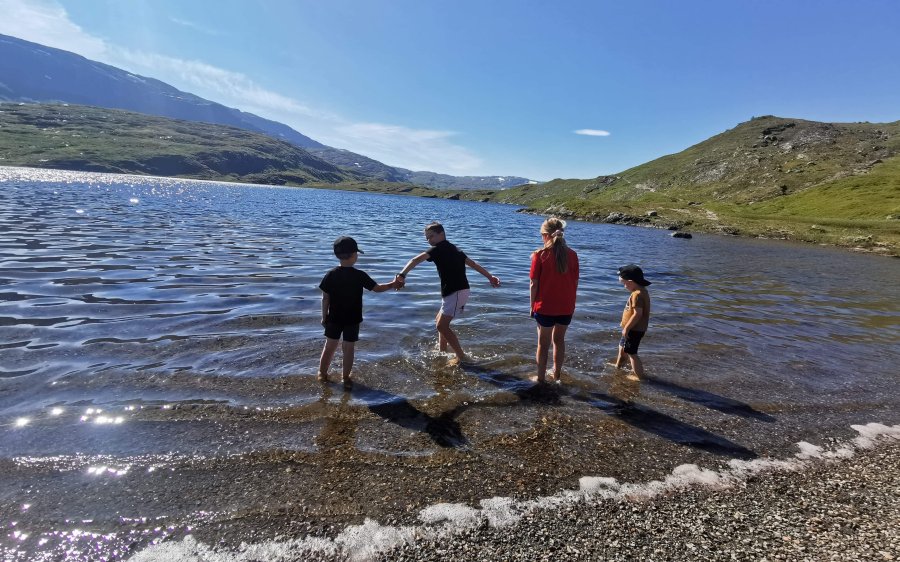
x,y
832,509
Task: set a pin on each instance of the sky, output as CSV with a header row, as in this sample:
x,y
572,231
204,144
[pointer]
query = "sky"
x,y
537,89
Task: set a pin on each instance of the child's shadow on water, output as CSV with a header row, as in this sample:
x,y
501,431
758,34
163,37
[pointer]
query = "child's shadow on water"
x,y
636,415
710,400
665,426
444,430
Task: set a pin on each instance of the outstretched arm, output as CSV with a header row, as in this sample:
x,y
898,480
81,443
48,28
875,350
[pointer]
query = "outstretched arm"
x,y
495,281
411,264
395,284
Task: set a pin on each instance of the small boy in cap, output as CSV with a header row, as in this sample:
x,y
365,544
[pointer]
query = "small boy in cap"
x,y
342,291
635,318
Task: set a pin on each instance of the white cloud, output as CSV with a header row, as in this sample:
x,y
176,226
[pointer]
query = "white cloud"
x,y
46,22
194,26
592,132
222,86
416,149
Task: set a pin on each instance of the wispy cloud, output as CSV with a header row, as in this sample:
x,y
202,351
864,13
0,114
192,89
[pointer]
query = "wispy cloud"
x,y
418,149
46,22
194,26
592,132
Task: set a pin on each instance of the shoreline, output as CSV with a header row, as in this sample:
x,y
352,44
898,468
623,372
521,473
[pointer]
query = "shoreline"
x,y
834,502
835,509
873,247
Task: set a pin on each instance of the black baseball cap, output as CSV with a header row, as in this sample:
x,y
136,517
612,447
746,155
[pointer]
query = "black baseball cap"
x,y
634,273
346,245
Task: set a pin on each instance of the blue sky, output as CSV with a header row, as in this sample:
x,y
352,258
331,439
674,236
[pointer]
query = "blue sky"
x,y
571,89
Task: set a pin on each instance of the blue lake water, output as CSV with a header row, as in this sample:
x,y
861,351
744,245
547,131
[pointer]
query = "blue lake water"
x,y
153,322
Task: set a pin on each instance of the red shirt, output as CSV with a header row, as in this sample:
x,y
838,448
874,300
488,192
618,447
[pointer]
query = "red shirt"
x,y
555,290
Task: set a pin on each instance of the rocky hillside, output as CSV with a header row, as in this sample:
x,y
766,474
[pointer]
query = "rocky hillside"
x,y
88,138
841,181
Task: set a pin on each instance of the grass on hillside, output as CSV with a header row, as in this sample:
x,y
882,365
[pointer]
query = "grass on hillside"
x,y
106,140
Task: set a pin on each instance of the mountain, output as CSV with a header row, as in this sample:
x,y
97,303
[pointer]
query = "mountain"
x,y
89,138
836,183
376,170
32,73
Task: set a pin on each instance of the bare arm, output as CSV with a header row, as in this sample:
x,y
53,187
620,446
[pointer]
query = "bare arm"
x,y
638,313
495,281
326,300
413,263
380,288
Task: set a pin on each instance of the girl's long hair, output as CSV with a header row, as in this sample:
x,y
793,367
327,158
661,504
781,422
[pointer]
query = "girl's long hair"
x,y
555,228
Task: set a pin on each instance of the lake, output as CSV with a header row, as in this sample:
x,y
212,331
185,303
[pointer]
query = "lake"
x,y
159,340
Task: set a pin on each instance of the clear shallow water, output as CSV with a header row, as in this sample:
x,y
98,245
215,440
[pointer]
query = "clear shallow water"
x,y
150,322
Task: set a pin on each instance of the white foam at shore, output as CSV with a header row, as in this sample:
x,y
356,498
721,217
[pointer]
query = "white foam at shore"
x,y
359,543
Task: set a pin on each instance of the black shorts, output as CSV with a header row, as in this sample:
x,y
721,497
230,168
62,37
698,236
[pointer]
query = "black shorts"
x,y
550,321
334,330
631,341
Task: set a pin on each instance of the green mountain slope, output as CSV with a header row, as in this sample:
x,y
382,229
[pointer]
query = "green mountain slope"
x,y
87,138
835,183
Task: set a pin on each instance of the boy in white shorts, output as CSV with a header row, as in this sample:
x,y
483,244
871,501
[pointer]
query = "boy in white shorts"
x,y
451,266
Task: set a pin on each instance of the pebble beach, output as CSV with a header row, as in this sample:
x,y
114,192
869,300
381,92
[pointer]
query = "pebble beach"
x,y
834,509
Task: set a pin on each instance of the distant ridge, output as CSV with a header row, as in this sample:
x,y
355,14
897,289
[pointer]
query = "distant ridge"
x,y
30,72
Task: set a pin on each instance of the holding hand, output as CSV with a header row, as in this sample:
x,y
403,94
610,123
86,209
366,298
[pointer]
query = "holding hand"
x,y
495,281
399,282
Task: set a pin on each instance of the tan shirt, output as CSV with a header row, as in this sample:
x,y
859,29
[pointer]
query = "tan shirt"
x,y
637,299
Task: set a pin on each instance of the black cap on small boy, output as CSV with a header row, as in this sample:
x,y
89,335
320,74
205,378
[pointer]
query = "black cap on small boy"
x,y
634,273
346,245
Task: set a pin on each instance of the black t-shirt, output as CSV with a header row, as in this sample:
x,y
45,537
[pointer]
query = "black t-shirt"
x,y
345,287
451,266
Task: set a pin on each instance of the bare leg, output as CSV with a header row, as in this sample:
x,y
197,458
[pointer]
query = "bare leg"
x,y
636,366
620,358
543,350
448,336
331,346
559,349
442,341
348,348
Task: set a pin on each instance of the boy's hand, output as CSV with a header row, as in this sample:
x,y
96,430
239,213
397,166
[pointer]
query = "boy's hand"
x,y
495,281
399,282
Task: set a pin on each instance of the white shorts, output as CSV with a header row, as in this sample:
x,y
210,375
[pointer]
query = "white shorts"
x,y
454,304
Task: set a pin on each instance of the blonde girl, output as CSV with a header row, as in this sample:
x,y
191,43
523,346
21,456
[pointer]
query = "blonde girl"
x,y
554,284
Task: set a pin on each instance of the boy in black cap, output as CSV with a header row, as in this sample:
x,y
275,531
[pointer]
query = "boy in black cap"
x,y
451,265
635,318
342,291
